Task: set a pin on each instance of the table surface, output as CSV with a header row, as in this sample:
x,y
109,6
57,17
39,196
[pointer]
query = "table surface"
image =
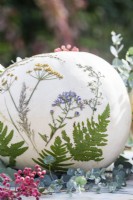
x,y
126,193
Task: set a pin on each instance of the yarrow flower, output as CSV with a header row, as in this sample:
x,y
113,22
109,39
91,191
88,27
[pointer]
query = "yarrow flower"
x,y
44,72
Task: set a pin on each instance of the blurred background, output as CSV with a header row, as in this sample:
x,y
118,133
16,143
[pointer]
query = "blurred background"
x,y
36,26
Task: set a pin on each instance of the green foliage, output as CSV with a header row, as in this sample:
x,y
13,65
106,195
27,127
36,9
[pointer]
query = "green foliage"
x,y
103,16
121,160
88,139
7,149
7,170
59,152
123,66
48,160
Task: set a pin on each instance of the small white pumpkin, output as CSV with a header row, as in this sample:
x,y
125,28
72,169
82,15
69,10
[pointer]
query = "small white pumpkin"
x,y
71,105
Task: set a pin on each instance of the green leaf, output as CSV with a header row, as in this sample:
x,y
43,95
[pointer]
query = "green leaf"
x,y
44,137
117,63
59,152
62,125
18,152
1,126
130,51
7,149
8,138
87,140
48,160
130,80
17,145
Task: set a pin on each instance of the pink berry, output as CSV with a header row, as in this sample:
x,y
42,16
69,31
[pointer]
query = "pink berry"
x,y
39,173
15,174
17,181
22,179
19,171
8,184
31,179
39,169
36,166
43,172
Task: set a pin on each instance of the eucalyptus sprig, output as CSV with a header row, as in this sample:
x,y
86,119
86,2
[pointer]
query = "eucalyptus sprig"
x,y
123,66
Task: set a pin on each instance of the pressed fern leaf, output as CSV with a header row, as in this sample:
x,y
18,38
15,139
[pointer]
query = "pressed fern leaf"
x,y
59,152
7,148
87,140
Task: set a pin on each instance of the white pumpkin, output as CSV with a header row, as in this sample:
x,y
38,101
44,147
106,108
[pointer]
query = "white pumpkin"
x,y
72,105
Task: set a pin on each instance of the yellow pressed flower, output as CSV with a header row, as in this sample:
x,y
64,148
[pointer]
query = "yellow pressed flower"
x,y
48,69
38,65
29,71
45,65
37,69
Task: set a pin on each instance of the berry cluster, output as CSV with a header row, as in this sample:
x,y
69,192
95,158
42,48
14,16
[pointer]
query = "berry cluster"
x,y
66,48
5,192
25,182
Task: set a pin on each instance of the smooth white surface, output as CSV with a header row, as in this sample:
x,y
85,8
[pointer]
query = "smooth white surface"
x,y
74,79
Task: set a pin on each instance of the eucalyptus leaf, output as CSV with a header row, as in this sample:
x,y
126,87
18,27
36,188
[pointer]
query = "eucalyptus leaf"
x,y
112,187
65,177
117,62
130,60
48,160
79,172
130,51
130,80
116,38
71,171
46,180
71,184
120,48
80,180
114,51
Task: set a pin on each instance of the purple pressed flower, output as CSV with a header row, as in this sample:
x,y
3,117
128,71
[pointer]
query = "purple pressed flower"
x,y
76,114
68,98
51,112
81,105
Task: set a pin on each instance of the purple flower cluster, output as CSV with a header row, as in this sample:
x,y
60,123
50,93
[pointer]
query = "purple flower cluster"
x,y
68,98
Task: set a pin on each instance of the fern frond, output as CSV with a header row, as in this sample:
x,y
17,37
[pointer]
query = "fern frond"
x,y
8,138
1,127
59,151
15,152
6,148
87,140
